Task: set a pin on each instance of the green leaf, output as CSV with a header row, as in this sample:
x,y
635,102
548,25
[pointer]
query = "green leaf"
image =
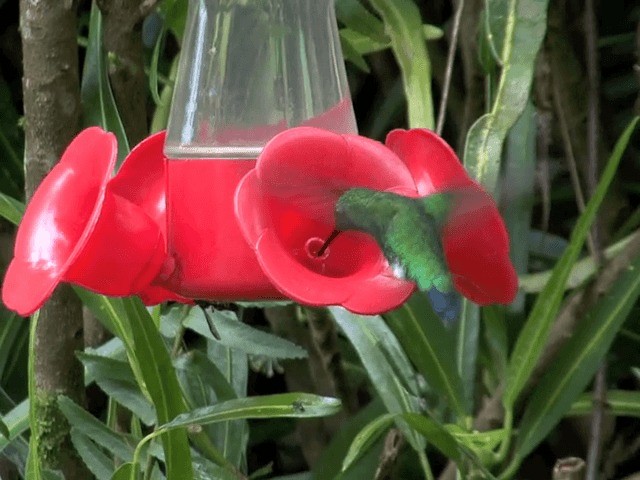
x,y
582,270
86,424
11,209
577,362
12,335
162,384
237,335
329,465
97,462
17,422
403,24
367,438
123,472
431,32
467,334
291,405
204,469
174,13
4,430
99,106
153,69
447,443
534,334
110,312
497,16
356,17
199,375
204,384
479,442
430,347
370,346
435,434
161,114
620,403
524,28
117,380
350,51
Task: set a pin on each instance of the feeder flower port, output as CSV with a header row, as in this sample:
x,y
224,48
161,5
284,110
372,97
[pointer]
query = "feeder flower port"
x,y
285,209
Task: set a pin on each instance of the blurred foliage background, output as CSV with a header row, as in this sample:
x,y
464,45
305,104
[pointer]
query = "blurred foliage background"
x,y
538,99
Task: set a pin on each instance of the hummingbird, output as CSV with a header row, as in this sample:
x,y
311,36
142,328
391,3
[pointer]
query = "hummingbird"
x,y
408,231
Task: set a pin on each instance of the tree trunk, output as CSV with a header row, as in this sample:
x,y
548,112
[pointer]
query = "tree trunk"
x,y
51,93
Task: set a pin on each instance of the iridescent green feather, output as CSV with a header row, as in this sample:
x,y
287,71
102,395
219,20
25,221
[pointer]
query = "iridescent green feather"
x,y
407,230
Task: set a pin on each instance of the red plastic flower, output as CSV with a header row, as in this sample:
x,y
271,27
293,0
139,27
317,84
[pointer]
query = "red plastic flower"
x,y
475,240
84,228
285,210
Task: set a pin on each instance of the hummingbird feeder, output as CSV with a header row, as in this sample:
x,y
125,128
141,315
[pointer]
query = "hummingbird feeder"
x,y
164,226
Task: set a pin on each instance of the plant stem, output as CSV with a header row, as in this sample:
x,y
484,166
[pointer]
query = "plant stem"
x,y
450,59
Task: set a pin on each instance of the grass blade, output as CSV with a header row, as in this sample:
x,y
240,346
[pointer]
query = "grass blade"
x,y
578,361
534,334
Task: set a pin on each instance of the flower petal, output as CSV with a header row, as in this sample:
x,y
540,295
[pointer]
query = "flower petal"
x,y
141,179
476,247
307,164
433,164
59,219
360,292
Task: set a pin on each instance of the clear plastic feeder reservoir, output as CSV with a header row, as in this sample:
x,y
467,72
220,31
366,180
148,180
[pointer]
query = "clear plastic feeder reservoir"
x,y
249,69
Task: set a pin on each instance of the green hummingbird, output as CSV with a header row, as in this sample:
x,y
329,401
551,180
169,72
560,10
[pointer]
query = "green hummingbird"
x,y
408,231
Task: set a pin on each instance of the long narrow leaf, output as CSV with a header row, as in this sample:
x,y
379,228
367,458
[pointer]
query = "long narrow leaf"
x,y
620,403
404,26
11,209
467,332
161,382
366,438
97,462
429,345
536,330
99,106
290,405
383,377
578,361
115,443
118,381
237,335
524,28
356,17
16,421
